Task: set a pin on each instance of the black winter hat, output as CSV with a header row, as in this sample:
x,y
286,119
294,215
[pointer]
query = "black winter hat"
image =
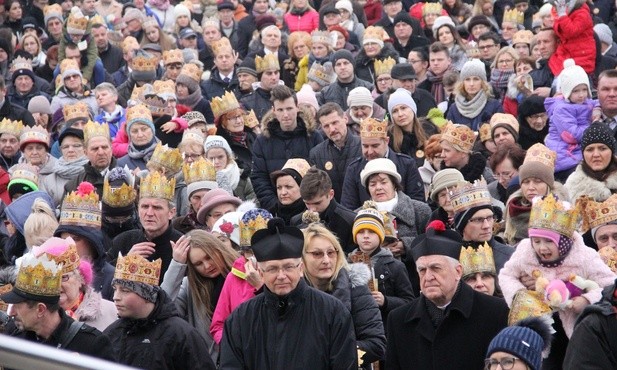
x,y
534,104
343,54
598,133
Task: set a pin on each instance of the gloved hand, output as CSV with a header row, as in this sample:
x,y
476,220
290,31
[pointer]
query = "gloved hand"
x,y
561,7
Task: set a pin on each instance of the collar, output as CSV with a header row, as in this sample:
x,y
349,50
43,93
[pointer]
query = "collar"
x,y
462,302
230,76
295,298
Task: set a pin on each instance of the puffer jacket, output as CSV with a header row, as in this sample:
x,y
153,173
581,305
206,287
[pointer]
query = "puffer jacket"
x,y
365,69
337,92
577,42
307,22
579,183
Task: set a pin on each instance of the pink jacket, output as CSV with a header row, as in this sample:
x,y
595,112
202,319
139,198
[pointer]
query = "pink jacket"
x,y
582,261
236,290
120,144
307,22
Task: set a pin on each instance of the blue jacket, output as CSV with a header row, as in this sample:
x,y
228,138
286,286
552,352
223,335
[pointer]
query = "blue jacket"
x,y
114,124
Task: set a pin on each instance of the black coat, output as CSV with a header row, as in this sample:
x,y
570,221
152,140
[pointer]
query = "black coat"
x,y
364,65
246,26
542,76
354,193
215,86
161,341
413,42
258,101
337,92
16,113
112,58
315,332
471,321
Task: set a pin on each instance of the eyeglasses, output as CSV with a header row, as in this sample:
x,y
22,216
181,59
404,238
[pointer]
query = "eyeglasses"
x,y
71,77
414,61
486,47
506,363
503,175
236,118
481,220
66,277
606,237
506,61
274,270
384,79
319,254
193,156
74,146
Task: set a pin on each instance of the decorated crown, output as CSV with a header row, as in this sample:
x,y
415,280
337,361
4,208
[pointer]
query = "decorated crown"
x,y
609,257
300,165
477,260
81,207
473,51
540,154
34,134
155,103
222,105
252,221
77,22
168,158
323,74
194,117
193,134
3,290
97,19
200,170
210,22
165,89
250,119
552,214
39,276
192,70
21,63
68,64
25,171
375,33
134,267
173,56
129,43
372,128
268,62
155,185
143,62
52,9
596,213
527,303
460,136
76,111
11,127
485,132
513,16
221,45
466,195
323,37
150,22
92,130
118,197
432,8
522,37
137,93
384,66
69,259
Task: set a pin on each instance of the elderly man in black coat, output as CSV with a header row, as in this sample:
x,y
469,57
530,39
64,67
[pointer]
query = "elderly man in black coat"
x,y
450,325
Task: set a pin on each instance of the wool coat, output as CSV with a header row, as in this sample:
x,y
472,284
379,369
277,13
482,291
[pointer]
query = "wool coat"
x,y
579,183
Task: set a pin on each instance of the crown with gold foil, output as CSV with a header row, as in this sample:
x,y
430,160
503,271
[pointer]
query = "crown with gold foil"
x,y
137,92
372,128
459,136
156,104
76,111
129,44
193,134
77,23
138,113
68,64
21,63
250,119
609,257
68,259
97,19
134,267
252,221
267,63
300,165
384,66
432,8
222,105
82,207
322,37
513,16
5,289
466,195
53,10
143,62
155,185
221,45
477,260
150,22
119,197
376,33
539,153
200,170
11,127
173,56
528,303
168,158
25,171
92,129
39,278
210,22
485,132
596,214
192,70
522,37
549,213
165,89
34,134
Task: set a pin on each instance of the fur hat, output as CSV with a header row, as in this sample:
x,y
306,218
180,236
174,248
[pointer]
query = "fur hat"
x,y
572,76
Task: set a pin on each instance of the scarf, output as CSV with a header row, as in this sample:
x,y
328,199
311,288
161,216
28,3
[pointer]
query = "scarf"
x,y
113,116
387,205
313,59
142,152
67,170
437,314
192,99
159,4
499,79
471,108
229,177
348,25
517,208
238,137
437,84
299,11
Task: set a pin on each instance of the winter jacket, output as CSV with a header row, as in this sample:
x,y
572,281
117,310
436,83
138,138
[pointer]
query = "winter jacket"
x,y
581,260
161,341
475,168
492,106
215,86
326,156
91,175
274,147
543,76
16,113
54,183
307,22
114,124
568,122
337,92
364,68
337,219
579,183
373,10
24,99
63,98
258,101
575,31
470,322
244,154
307,329
120,76
112,58
96,311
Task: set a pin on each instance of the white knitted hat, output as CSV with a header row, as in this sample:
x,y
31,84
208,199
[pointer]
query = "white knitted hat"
x,y
216,141
360,96
572,76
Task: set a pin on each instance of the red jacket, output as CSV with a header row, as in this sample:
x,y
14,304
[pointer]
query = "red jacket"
x,y
4,184
373,10
575,33
307,22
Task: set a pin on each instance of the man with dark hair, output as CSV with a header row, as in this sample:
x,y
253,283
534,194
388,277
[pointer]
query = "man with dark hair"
x,y
110,55
543,77
405,37
288,132
607,97
489,45
346,80
439,63
318,196
12,111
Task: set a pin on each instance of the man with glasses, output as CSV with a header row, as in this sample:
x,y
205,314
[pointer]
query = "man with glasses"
x,y
488,43
290,322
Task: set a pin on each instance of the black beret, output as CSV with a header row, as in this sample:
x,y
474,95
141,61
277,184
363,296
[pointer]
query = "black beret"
x,y
277,242
437,241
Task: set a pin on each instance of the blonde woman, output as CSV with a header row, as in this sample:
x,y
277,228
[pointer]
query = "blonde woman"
x,y
502,70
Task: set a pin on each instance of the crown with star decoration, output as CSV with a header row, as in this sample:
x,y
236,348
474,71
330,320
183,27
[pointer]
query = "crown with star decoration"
x,y
478,259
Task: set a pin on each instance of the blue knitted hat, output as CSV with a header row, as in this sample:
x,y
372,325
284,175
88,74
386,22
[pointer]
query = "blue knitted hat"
x,y
525,340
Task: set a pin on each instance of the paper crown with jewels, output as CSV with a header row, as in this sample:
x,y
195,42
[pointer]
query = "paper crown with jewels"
x,y
513,16
322,74
549,213
34,134
609,257
372,128
376,33
193,134
155,185
77,23
224,104
539,153
94,129
322,37
143,62
267,63
81,207
38,279
68,259
466,195
522,37
192,70
137,93
595,214
76,111
25,171
134,267
53,10
384,66
11,127
165,89
432,8
21,63
123,196
477,260
150,22
200,170
252,221
68,64
173,56
221,46
527,303
129,44
459,136
138,114
250,119
168,158
485,132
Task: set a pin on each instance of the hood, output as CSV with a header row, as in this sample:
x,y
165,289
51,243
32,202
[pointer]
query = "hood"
x,y
18,211
305,120
92,235
359,274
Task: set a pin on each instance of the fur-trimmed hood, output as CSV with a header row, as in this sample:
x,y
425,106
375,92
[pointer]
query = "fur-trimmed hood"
x,y
305,122
96,311
579,183
359,274
513,90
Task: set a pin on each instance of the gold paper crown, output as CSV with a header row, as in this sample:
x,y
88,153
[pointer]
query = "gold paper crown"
x,y
485,132
39,276
150,22
375,33
609,257
92,130
372,128
5,289
250,227
134,267
466,195
540,154
34,134
552,214
268,62
11,127
52,9
527,303
193,134
78,110
129,44
322,37
118,197
168,158
473,52
25,171
321,73
513,16
210,22
250,119
522,37
300,165
143,62
596,213
477,260
155,185
138,113
81,209
137,92
164,89
222,105
173,56
460,136
200,170
21,63
67,64
76,20
192,70
69,259
221,45
384,66
97,19
432,8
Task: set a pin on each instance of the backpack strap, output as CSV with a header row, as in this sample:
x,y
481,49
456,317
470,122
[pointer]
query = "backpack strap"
x,y
69,335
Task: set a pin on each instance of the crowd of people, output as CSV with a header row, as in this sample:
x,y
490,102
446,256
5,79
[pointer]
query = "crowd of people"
x,y
260,184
